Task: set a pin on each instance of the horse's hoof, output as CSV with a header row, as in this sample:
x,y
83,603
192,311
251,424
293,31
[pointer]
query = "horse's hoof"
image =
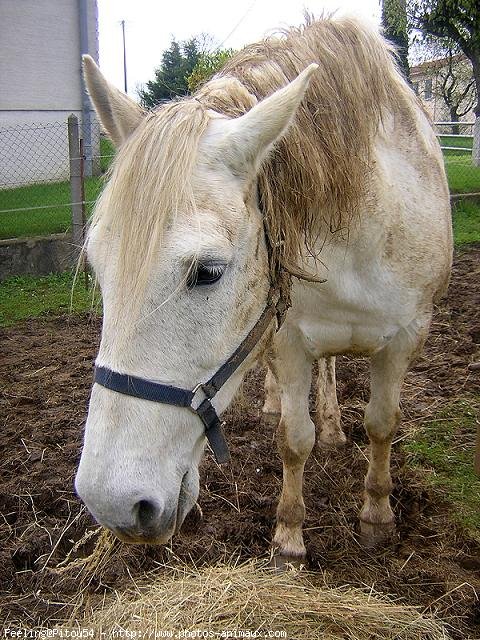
x,y
281,562
332,441
376,534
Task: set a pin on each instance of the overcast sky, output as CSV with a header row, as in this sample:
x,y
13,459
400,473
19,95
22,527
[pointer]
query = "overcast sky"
x,y
151,24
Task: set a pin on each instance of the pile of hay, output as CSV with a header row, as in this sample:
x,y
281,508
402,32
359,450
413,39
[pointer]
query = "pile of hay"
x,y
237,601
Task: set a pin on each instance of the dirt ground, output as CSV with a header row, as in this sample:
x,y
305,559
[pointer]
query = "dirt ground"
x,y
45,375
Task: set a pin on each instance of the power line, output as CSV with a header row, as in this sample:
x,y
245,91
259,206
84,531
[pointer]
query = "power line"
x,y
250,7
122,22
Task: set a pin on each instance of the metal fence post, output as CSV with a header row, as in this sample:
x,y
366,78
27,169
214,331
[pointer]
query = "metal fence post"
x,y
75,182
476,142
84,217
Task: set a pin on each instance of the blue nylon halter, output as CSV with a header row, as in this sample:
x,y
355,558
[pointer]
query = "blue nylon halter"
x,y
197,399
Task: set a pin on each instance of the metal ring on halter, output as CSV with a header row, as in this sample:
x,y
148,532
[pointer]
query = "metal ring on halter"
x,y
166,394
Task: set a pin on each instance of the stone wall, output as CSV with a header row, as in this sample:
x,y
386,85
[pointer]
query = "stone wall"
x,y
37,256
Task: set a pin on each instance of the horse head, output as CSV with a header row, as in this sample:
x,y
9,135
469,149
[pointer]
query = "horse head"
x,y
178,247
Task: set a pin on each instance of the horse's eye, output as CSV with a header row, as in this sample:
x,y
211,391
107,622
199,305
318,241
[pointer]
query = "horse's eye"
x,y
202,274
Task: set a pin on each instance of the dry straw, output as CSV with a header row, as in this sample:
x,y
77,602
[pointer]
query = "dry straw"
x,y
250,597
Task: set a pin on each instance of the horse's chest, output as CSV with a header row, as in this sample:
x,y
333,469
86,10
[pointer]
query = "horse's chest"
x,y
328,338
352,314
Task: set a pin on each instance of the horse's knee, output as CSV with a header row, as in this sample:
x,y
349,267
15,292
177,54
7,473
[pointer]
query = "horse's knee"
x,y
295,440
381,422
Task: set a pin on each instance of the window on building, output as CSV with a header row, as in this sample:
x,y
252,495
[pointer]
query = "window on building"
x,y
428,89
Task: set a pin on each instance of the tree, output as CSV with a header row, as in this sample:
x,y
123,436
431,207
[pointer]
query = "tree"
x,y
170,81
458,21
456,85
450,73
207,65
394,22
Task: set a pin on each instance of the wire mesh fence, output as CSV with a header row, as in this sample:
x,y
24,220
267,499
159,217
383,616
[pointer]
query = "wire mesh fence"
x,y
35,176
456,141
33,153
35,173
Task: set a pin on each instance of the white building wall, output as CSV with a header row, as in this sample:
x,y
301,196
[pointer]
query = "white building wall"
x,y
40,84
433,102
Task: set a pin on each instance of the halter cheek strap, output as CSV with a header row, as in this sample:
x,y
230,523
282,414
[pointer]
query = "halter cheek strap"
x,y
197,400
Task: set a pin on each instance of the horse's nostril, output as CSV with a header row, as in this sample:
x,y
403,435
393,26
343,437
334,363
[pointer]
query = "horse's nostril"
x,y
146,513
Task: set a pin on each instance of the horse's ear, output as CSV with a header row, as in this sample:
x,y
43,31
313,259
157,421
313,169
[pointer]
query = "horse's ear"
x,y
118,113
248,139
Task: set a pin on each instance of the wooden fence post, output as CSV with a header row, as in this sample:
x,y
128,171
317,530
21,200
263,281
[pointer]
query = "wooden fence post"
x,y
76,187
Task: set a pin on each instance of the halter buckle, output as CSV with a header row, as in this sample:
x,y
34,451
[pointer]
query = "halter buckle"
x,y
198,398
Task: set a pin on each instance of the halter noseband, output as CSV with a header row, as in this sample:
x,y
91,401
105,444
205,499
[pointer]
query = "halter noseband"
x,y
198,399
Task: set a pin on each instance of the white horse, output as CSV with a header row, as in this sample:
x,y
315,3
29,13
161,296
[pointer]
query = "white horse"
x,y
306,171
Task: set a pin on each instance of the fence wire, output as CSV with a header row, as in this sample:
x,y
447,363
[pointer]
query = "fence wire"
x,y
456,141
35,189
35,192
33,153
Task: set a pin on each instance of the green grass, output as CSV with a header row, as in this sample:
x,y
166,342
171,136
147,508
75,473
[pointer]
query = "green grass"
x,y
450,141
462,176
53,219
39,222
466,222
28,297
444,448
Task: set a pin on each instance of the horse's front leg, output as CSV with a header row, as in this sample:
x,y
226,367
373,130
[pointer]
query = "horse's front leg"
x,y
382,417
295,438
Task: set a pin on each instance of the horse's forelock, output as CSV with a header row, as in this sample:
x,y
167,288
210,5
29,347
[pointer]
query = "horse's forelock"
x,y
150,182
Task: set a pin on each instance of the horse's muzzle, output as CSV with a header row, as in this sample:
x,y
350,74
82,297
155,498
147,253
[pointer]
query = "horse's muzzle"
x,y
146,521
153,525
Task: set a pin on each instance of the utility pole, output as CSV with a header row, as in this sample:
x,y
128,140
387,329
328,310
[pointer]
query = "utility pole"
x,y
122,22
86,126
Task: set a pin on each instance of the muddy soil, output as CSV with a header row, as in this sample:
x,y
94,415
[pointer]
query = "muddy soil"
x,y
45,376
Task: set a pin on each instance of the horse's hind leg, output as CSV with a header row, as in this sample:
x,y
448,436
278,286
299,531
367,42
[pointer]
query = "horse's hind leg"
x,y
382,416
327,415
271,406
295,439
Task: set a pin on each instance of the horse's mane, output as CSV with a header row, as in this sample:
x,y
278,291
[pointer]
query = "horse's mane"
x,y
315,178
